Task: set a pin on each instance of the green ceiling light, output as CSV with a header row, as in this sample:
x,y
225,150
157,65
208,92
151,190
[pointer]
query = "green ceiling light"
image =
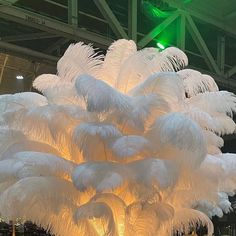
x,y
161,46
154,12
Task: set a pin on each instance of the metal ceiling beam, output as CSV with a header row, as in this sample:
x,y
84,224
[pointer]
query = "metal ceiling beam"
x,y
16,68
193,30
231,72
25,37
221,53
56,3
47,24
111,19
17,50
207,18
11,1
181,26
230,15
132,19
157,30
56,45
73,12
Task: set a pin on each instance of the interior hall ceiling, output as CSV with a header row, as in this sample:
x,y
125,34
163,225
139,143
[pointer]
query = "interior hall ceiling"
x,y
34,34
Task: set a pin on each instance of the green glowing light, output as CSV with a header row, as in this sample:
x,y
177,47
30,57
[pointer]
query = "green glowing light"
x,y
161,46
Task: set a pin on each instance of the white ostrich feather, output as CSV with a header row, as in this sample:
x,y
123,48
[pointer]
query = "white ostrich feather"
x,y
46,81
99,175
145,62
131,146
29,145
9,137
97,210
99,96
161,173
159,83
117,205
208,208
146,219
47,201
195,82
101,135
202,118
116,55
174,59
141,114
186,219
78,59
175,137
221,169
226,124
103,176
212,102
214,142
28,164
11,103
63,94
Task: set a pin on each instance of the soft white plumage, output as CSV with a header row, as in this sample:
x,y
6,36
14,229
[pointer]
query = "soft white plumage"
x,y
128,145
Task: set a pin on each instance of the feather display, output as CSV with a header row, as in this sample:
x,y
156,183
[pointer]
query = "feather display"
x,y
126,144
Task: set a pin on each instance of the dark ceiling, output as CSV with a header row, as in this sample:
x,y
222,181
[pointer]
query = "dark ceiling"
x,y
92,20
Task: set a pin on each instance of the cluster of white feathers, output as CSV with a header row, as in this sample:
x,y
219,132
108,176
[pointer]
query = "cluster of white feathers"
x,y
122,144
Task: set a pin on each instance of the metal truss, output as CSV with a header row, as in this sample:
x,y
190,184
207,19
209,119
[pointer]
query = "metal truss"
x,y
186,21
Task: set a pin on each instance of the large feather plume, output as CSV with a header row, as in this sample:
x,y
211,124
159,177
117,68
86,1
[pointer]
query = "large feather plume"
x,y
159,83
195,82
144,63
47,201
78,59
175,137
115,57
99,96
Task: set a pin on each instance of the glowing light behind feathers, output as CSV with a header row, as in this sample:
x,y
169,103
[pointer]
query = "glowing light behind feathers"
x,y
118,146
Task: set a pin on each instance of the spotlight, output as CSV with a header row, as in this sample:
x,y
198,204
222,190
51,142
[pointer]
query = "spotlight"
x,y
19,77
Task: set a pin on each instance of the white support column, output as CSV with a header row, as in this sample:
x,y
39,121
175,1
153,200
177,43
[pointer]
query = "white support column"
x,y
111,19
157,30
73,12
132,19
192,28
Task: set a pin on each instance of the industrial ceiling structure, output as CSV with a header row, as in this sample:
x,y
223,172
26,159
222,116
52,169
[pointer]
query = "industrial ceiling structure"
x,y
34,34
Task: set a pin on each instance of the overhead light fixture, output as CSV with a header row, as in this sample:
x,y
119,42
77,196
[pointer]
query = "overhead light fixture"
x,y
19,77
161,46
